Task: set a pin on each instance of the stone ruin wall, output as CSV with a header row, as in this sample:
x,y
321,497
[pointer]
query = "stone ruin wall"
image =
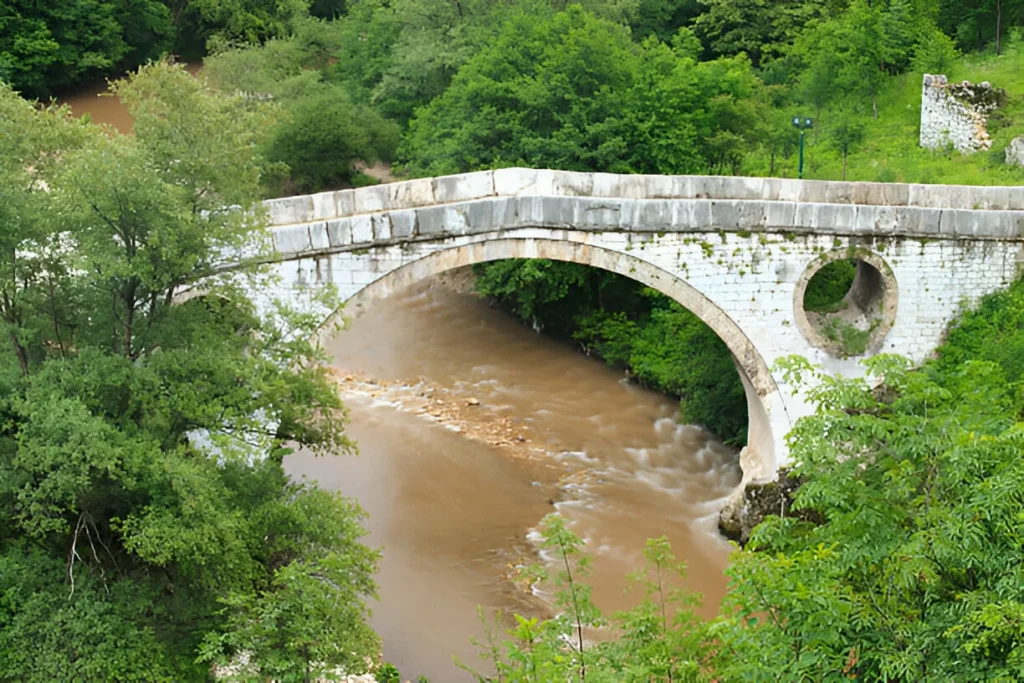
x,y
957,114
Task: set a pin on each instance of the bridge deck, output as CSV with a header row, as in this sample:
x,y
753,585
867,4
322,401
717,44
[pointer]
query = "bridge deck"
x,y
511,198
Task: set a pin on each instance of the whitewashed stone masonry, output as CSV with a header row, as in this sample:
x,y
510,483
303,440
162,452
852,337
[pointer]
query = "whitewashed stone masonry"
x,y
730,249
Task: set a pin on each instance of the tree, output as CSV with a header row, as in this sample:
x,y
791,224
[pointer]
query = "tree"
x,y
149,517
576,92
905,562
845,131
762,29
325,134
48,46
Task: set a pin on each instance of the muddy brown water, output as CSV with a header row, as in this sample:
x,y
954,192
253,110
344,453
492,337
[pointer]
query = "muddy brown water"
x,y
453,512
471,428
95,100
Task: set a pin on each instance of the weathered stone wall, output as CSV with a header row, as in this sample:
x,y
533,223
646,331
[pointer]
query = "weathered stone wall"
x,y
957,114
733,250
1015,151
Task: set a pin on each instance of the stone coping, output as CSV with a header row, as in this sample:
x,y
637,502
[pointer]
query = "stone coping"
x,y
700,217
524,182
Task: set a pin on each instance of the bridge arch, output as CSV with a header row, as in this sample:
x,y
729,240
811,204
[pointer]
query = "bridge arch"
x,y
759,459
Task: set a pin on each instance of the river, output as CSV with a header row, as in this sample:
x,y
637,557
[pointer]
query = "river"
x,y
471,428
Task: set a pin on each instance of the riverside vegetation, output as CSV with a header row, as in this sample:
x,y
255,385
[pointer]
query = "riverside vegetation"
x,y
132,551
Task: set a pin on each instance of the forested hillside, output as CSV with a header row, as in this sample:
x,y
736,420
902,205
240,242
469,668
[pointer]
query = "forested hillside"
x,y
634,86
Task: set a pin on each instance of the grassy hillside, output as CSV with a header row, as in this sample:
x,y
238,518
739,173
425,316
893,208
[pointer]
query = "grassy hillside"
x,y
890,152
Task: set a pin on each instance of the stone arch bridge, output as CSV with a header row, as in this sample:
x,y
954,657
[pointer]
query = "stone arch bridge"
x,y
737,252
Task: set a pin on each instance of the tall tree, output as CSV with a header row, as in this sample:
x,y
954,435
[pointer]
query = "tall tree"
x,y
150,523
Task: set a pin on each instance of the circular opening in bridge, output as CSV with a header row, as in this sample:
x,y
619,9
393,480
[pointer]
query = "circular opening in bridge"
x,y
846,302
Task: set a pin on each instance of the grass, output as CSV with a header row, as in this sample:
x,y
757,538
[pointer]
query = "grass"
x,y
851,340
890,151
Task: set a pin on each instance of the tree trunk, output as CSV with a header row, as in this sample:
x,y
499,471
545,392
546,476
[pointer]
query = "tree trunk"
x,y
844,164
129,319
999,26
19,351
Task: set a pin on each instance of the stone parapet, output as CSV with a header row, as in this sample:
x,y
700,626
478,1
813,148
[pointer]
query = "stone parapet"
x,y
523,182
594,214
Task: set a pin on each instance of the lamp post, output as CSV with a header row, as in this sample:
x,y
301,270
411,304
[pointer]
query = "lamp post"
x,y
803,124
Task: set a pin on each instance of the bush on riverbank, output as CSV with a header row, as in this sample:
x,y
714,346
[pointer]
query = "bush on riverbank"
x,y
903,561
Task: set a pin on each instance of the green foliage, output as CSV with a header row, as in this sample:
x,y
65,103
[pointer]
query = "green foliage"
x,y
991,333
827,289
660,639
852,340
323,137
387,673
575,92
324,134
760,29
51,45
150,528
919,483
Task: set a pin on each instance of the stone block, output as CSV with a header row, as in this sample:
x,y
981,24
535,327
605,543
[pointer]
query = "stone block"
x,y
403,223
512,182
318,237
784,189
815,191
709,187
381,223
1014,153
460,188
372,199
779,214
290,210
339,231
430,220
586,213
654,215
345,202
572,184
806,217
664,186
456,220
725,214
928,220
693,215
739,187
362,229
504,212
324,205
291,239
411,193
752,215
840,192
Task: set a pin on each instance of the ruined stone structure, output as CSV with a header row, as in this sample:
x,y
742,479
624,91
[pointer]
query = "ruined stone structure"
x,y
1015,151
957,114
737,252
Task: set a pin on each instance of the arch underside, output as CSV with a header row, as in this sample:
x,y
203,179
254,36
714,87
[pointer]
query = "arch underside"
x,y
758,460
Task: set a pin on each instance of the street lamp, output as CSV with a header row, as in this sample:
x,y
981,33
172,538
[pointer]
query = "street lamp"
x,y
803,124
